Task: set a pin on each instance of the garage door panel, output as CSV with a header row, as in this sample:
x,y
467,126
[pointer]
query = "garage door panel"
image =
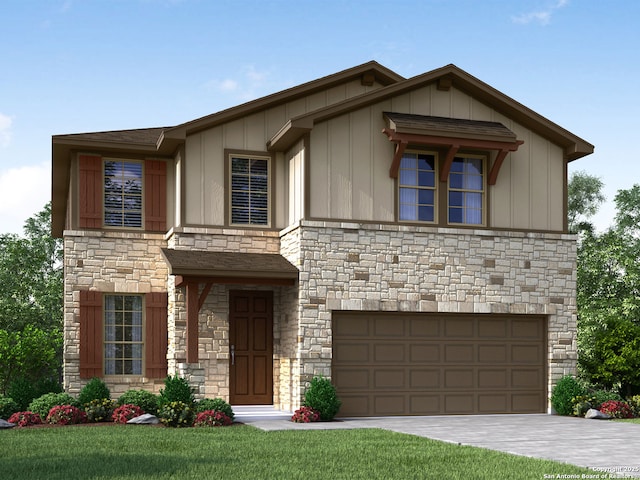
x,y
459,353
388,327
492,353
393,363
457,379
493,378
459,404
389,379
492,328
493,403
421,326
389,353
389,405
351,352
424,379
527,378
424,353
527,402
528,354
357,379
424,405
458,327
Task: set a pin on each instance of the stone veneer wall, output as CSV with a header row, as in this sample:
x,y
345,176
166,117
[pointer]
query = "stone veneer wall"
x,y
366,267
110,262
210,375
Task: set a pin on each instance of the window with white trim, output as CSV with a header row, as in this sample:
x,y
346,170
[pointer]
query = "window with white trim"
x,y
466,192
417,183
123,336
249,190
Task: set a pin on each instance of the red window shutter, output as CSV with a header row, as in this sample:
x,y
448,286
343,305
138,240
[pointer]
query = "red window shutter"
x,y
91,347
156,335
90,191
155,196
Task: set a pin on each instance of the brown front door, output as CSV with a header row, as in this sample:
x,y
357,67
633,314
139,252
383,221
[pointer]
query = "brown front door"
x,y
251,347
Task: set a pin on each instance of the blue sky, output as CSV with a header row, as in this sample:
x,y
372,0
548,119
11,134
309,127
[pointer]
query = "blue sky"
x,y
72,66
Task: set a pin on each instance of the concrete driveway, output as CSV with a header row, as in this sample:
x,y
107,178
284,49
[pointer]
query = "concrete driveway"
x,y
613,447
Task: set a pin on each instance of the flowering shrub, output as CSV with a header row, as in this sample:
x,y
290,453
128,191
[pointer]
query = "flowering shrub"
x,y
126,412
305,415
144,399
212,418
216,404
99,410
25,419
66,415
634,403
43,405
176,414
616,409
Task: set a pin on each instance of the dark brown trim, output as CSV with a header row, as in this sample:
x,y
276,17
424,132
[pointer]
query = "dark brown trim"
x,y
182,280
193,309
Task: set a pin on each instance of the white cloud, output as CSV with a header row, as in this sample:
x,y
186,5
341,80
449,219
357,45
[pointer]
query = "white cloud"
x,y
5,130
542,16
24,191
250,84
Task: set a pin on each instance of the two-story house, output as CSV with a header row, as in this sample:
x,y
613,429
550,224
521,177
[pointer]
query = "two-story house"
x,y
405,237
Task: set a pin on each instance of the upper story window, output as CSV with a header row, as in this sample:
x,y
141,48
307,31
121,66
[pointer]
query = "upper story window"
x,y
249,190
123,193
424,197
417,180
123,341
466,191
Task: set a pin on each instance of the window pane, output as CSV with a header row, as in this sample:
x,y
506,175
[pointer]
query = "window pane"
x,y
426,178
240,215
408,160
456,199
240,182
457,166
425,214
239,165
259,167
425,196
408,177
426,162
456,180
408,195
473,216
473,166
473,182
455,215
473,200
408,212
249,191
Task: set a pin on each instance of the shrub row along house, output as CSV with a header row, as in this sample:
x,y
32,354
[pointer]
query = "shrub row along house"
x,y
406,238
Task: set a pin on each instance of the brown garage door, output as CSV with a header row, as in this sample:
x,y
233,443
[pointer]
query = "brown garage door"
x,y
435,364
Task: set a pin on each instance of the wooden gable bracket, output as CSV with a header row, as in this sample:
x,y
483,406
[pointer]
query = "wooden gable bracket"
x,y
453,145
194,299
448,161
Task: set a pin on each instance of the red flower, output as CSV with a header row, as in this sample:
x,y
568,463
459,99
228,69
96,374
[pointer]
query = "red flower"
x,y
66,415
616,409
126,412
305,415
212,418
25,419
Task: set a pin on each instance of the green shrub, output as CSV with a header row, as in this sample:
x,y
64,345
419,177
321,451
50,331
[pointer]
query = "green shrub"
x,y
95,389
592,399
99,410
601,396
42,405
176,414
634,402
7,407
24,391
176,389
215,404
563,394
144,399
321,396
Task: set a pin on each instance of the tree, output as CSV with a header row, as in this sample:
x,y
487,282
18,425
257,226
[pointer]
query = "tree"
x,y
608,298
584,199
31,282
31,291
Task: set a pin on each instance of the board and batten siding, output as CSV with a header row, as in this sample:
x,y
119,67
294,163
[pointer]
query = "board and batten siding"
x,y
350,160
204,160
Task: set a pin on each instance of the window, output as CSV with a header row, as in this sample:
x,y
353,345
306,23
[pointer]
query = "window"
x,y
122,193
422,197
466,191
249,190
417,187
123,345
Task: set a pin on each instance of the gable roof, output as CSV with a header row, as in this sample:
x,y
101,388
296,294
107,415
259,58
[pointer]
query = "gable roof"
x,y
445,77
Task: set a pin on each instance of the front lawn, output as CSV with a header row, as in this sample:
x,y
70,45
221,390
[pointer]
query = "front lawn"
x,y
243,452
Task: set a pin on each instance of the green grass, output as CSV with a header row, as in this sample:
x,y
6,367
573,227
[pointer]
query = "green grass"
x,y
243,452
628,420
